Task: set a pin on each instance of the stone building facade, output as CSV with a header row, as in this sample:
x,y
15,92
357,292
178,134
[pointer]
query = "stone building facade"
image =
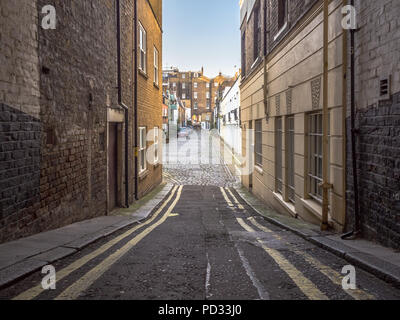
x,y
377,125
281,100
63,128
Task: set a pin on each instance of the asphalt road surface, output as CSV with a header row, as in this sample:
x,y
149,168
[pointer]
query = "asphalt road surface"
x,y
202,242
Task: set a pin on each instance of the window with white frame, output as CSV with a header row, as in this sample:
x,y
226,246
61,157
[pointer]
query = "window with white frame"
x,y
156,145
257,143
196,106
207,95
143,48
183,85
195,84
207,85
174,85
290,158
156,66
216,84
195,95
278,155
183,76
183,96
142,149
208,105
315,158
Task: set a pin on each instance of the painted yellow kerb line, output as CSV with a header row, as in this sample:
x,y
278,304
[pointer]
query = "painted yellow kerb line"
x,y
37,290
235,199
303,283
90,277
331,274
229,202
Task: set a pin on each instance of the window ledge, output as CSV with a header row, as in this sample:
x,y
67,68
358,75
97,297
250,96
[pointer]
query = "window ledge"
x,y
156,85
259,170
156,165
281,31
143,74
315,208
143,175
290,208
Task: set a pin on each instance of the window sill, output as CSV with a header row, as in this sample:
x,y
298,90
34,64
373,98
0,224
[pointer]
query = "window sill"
x,y
315,208
143,74
290,208
259,170
281,31
156,86
143,175
156,165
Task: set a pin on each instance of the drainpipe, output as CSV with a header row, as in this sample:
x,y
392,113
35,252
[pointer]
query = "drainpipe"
x,y
326,186
122,105
357,228
135,97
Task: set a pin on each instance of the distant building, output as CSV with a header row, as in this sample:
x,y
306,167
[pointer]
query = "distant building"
x,y
197,92
229,123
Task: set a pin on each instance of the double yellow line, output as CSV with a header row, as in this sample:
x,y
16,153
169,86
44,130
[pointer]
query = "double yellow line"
x,y
303,283
90,277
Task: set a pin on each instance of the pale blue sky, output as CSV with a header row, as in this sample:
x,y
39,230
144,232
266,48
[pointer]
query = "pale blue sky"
x,y
202,33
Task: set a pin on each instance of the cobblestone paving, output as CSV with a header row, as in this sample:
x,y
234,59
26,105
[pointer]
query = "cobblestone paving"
x,y
196,161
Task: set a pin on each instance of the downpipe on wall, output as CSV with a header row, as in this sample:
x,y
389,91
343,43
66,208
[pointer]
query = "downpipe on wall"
x,y
326,186
356,232
122,105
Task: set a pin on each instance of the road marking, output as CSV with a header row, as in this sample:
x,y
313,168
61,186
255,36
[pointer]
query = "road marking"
x,y
73,291
235,199
333,275
303,283
37,290
229,202
174,215
208,277
262,293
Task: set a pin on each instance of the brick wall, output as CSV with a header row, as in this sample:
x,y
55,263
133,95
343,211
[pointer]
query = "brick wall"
x,y
55,86
150,97
378,122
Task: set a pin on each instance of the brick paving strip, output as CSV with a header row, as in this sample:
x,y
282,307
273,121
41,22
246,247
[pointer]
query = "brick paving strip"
x,y
382,262
22,257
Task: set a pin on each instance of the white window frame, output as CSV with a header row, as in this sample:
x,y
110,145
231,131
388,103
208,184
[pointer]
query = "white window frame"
x,y
207,85
183,76
183,96
156,145
195,85
183,85
207,95
216,84
156,69
142,149
143,48
195,95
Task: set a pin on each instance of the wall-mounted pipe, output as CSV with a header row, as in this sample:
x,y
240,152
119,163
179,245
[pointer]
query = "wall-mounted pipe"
x,y
135,97
325,141
357,225
121,104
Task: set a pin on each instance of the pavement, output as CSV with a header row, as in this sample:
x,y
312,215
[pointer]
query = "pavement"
x,y
200,237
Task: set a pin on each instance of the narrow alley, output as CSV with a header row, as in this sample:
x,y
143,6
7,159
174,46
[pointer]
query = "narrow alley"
x,y
202,242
